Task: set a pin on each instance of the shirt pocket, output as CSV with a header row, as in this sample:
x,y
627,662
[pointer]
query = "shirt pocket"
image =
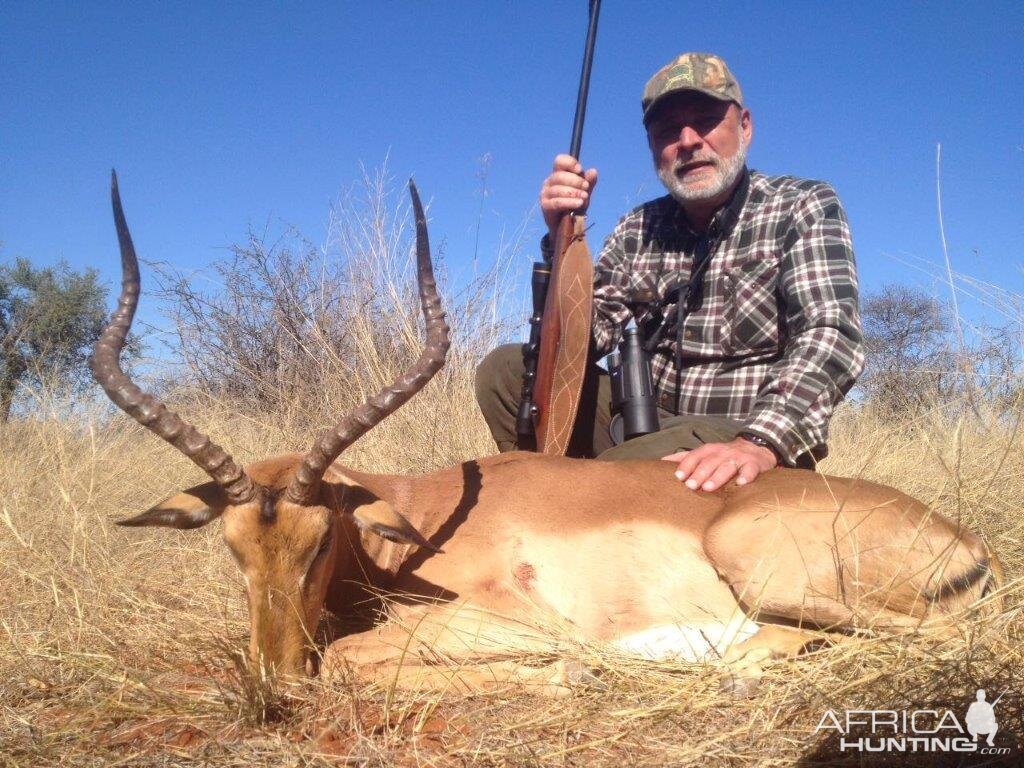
x,y
751,308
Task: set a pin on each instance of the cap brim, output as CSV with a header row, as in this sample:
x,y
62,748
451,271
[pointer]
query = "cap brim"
x,y
653,106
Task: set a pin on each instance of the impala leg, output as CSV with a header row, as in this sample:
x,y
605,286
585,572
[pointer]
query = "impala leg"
x,y
470,676
437,647
772,641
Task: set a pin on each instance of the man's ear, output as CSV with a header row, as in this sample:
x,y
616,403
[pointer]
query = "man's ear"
x,y
746,125
380,518
192,508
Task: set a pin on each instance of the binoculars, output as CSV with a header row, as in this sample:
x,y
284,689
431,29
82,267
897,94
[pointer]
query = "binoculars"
x,y
634,403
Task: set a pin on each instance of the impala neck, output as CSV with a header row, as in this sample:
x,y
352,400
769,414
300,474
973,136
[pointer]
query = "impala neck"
x,y
377,557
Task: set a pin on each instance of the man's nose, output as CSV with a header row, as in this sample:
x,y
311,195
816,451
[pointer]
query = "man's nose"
x,y
689,139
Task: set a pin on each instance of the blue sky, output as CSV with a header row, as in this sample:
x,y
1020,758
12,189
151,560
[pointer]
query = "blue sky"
x,y
223,116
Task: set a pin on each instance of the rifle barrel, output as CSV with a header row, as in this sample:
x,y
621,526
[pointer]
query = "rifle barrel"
x,y
581,97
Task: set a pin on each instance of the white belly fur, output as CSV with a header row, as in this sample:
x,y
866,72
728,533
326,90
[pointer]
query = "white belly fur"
x,y
705,641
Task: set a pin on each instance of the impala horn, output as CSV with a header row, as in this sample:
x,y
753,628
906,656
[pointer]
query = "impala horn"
x,y
141,406
359,421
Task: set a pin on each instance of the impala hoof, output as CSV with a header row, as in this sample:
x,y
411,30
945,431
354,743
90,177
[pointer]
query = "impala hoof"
x,y
740,686
578,674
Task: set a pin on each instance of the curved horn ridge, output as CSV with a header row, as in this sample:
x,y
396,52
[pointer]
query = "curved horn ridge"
x,y
365,417
142,406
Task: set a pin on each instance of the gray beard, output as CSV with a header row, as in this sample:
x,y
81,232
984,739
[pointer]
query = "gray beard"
x,y
728,171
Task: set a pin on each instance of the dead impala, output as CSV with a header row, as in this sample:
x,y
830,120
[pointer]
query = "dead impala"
x,y
620,554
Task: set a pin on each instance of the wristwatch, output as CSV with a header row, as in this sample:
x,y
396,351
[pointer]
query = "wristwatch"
x,y
750,437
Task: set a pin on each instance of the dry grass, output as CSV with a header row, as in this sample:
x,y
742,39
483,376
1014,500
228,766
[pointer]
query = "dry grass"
x,y
123,647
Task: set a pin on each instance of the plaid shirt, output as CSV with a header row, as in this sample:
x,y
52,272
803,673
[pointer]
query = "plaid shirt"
x,y
772,336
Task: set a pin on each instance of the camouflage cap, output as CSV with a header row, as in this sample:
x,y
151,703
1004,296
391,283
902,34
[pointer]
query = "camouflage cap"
x,y
702,72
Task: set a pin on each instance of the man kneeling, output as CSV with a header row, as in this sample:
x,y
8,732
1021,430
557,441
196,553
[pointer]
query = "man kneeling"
x,y
767,341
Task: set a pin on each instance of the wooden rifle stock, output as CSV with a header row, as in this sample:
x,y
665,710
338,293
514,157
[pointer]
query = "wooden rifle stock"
x,y
554,368
565,338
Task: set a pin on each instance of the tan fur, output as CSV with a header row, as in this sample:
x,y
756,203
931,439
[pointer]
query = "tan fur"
x,y
541,551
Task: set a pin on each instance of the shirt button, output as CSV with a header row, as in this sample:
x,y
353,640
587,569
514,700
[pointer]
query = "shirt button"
x,y
689,335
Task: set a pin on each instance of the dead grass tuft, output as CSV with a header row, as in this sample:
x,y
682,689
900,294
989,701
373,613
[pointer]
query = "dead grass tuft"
x,y
126,647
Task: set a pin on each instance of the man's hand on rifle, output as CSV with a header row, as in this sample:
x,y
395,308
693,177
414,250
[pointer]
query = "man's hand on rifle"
x,y
711,466
567,189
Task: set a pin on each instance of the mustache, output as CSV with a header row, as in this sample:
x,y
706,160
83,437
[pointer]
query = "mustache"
x,y
700,157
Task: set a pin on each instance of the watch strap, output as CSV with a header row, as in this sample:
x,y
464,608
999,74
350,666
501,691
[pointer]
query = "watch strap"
x,y
750,437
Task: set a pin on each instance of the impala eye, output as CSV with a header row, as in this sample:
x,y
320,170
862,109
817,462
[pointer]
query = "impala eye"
x,y
325,544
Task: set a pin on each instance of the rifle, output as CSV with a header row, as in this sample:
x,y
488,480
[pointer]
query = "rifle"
x,y
555,356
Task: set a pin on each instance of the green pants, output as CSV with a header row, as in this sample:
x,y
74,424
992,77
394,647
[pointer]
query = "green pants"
x,y
499,385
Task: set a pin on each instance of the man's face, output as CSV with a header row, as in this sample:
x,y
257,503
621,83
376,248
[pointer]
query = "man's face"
x,y
699,146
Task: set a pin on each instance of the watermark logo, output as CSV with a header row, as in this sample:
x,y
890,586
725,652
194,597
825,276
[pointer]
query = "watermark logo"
x,y
920,730
981,717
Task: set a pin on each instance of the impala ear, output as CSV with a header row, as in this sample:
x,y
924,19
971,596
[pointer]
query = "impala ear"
x,y
192,508
380,518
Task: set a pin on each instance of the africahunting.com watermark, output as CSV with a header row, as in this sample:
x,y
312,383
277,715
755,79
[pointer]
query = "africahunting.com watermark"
x,y
919,730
